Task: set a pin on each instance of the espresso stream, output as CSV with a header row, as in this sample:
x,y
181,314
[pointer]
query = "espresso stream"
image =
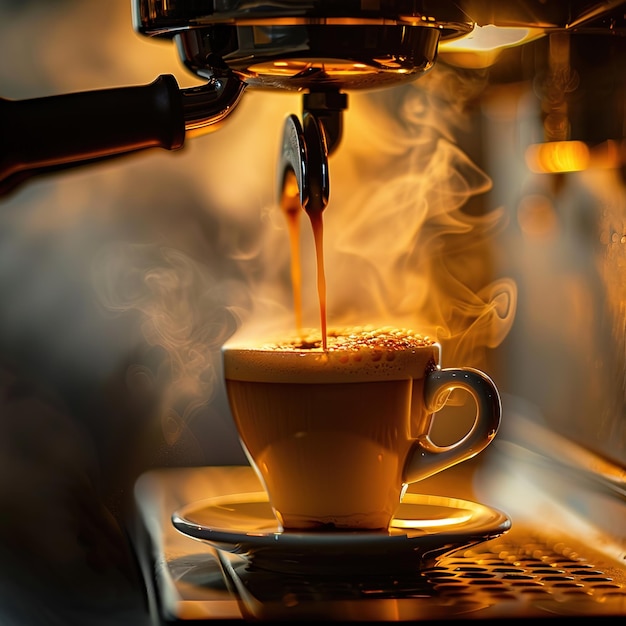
x,y
317,224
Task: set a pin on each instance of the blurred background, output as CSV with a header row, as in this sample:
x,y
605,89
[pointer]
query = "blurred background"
x,y
120,282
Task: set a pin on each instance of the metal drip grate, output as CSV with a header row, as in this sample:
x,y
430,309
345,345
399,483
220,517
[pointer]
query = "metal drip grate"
x,y
535,569
573,567
520,573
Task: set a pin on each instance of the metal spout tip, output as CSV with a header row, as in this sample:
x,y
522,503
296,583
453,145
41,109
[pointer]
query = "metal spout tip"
x,y
304,159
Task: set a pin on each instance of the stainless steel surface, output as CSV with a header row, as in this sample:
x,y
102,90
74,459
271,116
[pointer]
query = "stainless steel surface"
x,y
159,17
314,44
523,575
303,158
299,45
210,104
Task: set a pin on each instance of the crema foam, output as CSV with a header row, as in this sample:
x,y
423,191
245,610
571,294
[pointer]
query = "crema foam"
x,y
354,354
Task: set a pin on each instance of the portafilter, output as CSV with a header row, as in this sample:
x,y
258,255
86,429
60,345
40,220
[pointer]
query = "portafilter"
x,y
316,47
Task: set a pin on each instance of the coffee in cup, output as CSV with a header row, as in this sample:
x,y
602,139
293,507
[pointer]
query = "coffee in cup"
x,y
336,435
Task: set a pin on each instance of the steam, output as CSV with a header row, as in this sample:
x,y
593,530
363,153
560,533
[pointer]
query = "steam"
x,y
189,249
183,312
399,246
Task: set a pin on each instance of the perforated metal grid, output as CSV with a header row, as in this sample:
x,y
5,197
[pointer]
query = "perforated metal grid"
x,y
532,570
518,574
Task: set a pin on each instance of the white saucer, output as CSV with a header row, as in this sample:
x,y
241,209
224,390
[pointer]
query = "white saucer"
x,y
425,528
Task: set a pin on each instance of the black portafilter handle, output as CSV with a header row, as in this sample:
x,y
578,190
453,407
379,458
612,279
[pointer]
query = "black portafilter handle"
x,y
56,132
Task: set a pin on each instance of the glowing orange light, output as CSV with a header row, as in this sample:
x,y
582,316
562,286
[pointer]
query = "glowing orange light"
x,y
432,523
482,46
557,156
485,38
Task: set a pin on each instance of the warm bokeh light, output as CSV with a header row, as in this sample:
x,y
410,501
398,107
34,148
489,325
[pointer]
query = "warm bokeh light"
x,y
557,156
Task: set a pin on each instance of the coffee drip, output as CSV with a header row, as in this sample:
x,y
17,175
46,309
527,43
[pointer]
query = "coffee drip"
x,y
303,183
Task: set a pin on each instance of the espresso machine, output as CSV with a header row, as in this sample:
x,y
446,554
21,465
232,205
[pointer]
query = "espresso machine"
x,y
531,90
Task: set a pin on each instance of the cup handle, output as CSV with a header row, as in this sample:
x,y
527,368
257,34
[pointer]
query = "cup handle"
x,y
427,458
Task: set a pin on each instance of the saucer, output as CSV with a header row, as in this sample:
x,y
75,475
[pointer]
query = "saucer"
x,y
425,528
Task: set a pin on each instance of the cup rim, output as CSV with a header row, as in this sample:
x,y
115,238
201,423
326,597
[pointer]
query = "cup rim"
x,y
259,361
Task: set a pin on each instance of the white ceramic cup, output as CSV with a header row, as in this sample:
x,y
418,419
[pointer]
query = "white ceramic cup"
x,y
336,435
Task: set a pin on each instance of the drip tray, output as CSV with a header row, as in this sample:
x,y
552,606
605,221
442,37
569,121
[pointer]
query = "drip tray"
x,y
564,554
519,575
527,568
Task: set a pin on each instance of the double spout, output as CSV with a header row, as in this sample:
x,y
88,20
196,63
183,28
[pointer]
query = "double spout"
x,y
303,177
